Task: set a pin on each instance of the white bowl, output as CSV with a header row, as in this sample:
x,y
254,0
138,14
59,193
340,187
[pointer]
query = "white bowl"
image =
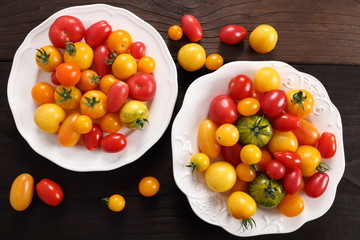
x,y
25,73
211,206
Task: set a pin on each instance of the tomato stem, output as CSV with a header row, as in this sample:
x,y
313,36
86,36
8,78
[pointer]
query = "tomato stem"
x,y
298,98
111,58
248,221
91,102
140,122
105,200
65,95
70,48
42,56
323,167
193,166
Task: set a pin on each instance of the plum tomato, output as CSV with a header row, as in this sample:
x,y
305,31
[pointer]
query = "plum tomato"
x,y
232,154
137,50
273,102
316,185
307,133
119,41
114,142
191,27
110,122
275,169
327,145
310,159
240,87
292,180
232,34
101,54
92,139
223,109
286,122
21,192
49,192
117,96
207,139
263,38
149,186
290,159
97,33
67,135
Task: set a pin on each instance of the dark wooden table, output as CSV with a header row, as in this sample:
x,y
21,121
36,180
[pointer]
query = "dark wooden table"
x,y
321,38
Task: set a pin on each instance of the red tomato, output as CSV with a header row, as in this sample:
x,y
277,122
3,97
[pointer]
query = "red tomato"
x,y
307,134
97,33
316,184
232,34
290,159
327,145
240,87
232,154
223,109
273,102
118,93
274,169
49,192
286,122
292,180
68,74
54,79
137,50
142,87
66,29
101,54
92,139
114,142
191,27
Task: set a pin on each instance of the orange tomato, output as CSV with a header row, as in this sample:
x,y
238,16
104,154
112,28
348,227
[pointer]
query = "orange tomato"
x,y
22,192
146,64
149,186
67,136
106,82
207,139
214,61
291,205
175,32
307,133
265,158
83,124
67,97
89,80
119,41
93,104
245,172
43,92
110,123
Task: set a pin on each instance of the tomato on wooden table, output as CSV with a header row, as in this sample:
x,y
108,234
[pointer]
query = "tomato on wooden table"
x,y
21,192
191,57
223,109
175,32
149,186
232,34
263,38
115,202
214,61
97,33
191,27
49,192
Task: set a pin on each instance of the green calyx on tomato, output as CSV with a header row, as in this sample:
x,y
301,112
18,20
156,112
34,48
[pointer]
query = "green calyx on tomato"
x,y
65,95
254,129
70,48
323,167
298,98
42,56
91,102
111,58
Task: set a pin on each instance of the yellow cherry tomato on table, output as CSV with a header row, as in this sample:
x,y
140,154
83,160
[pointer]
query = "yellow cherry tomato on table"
x,y
93,104
48,58
214,61
220,176
48,117
199,162
149,186
119,41
191,57
242,206
175,32
80,54
115,202
263,38
43,92
22,192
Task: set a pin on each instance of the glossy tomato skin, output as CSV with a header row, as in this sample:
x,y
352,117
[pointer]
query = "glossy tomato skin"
x,y
207,139
286,122
223,109
92,140
114,142
66,29
232,154
118,93
142,87
97,33
275,169
240,87
273,102
300,103
292,180
327,145
101,54
307,133
191,27
67,135
49,192
316,184
232,34
290,159
137,50
68,74
21,192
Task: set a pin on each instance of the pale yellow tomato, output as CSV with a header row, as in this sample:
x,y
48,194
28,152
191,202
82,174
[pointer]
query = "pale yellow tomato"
x,y
220,176
192,57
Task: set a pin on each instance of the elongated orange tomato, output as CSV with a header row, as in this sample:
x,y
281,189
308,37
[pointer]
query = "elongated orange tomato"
x,y
207,139
22,192
67,135
307,133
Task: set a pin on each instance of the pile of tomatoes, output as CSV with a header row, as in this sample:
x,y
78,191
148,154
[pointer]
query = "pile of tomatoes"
x,y
258,144
101,80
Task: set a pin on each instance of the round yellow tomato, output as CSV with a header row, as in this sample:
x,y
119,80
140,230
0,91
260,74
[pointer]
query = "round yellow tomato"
x,y
80,54
115,202
175,32
282,141
227,135
267,79
149,186
263,38
300,103
22,192
67,97
291,205
191,57
119,41
241,205
106,82
310,159
110,123
48,58
43,92
220,176
93,104
248,106
250,154
83,124
199,162
124,66
146,64
214,61
48,117
207,139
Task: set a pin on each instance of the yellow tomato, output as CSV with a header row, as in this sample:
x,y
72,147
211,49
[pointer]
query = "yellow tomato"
x,y
110,123
267,79
146,64
207,139
93,104
48,117
227,135
67,97
22,192
67,136
199,162
214,61
83,124
124,66
175,32
79,53
106,82
263,38
115,202
250,154
119,41
310,159
282,141
192,57
241,205
300,103
220,176
248,106
48,58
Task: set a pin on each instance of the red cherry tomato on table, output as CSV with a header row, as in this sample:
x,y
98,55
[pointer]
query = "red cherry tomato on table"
x,y
316,184
49,192
137,50
286,122
92,139
114,142
66,29
292,180
97,33
191,27
327,145
142,87
118,93
232,34
240,87
290,159
273,102
275,169
223,109
101,54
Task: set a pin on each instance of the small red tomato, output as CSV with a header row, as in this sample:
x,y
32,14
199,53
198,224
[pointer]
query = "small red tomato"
x,y
316,184
232,34
273,102
117,95
101,54
240,87
191,27
49,192
97,33
290,159
327,145
275,169
142,87
223,109
286,122
292,180
54,79
137,50
92,139
232,154
114,142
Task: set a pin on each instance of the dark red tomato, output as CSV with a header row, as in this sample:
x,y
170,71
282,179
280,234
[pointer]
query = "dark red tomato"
x,y
114,142
54,79
290,159
327,145
97,33
49,192
137,50
292,180
232,34
240,87
275,169
66,29
232,154
286,122
191,27
101,54
273,102
307,133
117,95
316,184
142,87
92,139
223,109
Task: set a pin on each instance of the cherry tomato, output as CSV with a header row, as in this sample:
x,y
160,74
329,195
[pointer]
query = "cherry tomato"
x,y
191,27
49,192
316,185
142,87
83,124
232,34
327,145
207,139
191,57
146,64
286,122
265,158
232,154
283,141
149,186
242,206
67,97
290,159
220,176
275,169
93,104
66,29
263,38
43,92
175,32
68,74
114,142
119,41
89,80
250,154
92,139
67,135
245,172
48,58
307,133
273,102
97,33
79,53
300,103
137,50
106,82
21,192
124,66
248,106
48,117
134,114
214,61
115,202
310,158
117,96
240,87
101,54
227,135
223,109
199,162
292,180
110,123
267,79
291,205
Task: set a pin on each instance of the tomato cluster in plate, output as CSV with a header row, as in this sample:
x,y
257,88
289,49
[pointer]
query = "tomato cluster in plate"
x,y
259,144
101,79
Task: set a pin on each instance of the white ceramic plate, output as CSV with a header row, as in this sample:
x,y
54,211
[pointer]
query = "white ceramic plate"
x,y
211,206
24,74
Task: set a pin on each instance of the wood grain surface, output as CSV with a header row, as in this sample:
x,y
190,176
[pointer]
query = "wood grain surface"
x,y
321,38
